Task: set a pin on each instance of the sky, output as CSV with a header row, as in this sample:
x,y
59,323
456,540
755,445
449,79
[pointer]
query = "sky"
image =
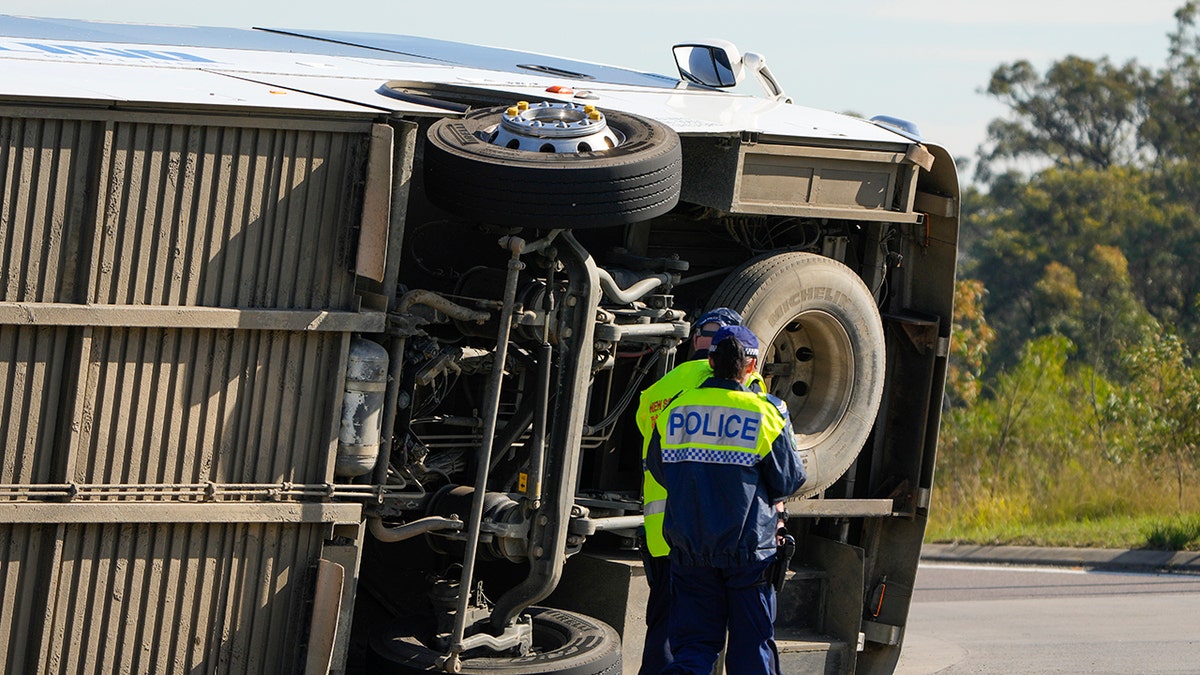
x,y
926,61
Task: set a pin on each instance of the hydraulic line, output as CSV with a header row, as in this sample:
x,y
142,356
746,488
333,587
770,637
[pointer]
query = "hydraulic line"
x,y
409,530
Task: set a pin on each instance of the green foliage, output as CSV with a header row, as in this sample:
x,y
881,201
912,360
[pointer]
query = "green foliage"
x,y
1075,397
1094,114
1055,454
1022,432
1161,406
1079,253
1174,534
972,337
1121,182
1081,114
1171,100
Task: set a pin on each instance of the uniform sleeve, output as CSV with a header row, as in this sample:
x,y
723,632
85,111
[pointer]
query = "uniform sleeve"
x,y
654,457
783,472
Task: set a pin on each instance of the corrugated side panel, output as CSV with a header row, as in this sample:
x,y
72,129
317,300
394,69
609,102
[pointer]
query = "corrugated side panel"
x,y
183,215
25,554
44,202
224,217
45,197
155,598
33,369
227,216
191,406
125,208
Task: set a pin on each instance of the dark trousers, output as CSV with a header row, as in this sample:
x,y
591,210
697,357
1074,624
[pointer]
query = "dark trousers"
x,y
708,601
656,653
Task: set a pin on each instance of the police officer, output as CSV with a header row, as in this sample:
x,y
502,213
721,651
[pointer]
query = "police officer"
x,y
656,654
726,456
708,325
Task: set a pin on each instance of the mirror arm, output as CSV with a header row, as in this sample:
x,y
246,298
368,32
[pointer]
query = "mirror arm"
x,y
758,65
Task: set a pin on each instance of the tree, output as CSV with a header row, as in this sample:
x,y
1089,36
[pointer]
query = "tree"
x,y
1095,114
1078,266
971,338
1042,368
1113,316
1096,308
1082,114
1161,405
1058,294
1051,250
1171,124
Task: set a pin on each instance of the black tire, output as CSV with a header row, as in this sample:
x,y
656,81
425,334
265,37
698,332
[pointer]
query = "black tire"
x,y
634,181
822,351
565,643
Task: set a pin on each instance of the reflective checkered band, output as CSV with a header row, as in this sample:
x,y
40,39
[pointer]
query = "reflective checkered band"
x,y
709,456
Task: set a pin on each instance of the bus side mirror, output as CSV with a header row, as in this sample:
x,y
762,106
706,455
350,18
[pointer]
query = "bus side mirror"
x,y
713,63
717,63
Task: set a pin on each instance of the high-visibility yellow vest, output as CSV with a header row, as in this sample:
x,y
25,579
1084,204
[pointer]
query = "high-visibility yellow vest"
x,y
726,426
654,399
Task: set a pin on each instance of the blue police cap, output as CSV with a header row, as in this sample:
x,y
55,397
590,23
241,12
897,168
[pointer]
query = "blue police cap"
x,y
743,335
722,316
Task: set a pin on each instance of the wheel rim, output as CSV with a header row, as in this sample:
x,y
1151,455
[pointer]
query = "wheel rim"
x,y
554,128
811,367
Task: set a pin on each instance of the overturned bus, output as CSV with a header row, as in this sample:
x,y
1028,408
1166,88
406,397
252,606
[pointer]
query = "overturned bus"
x,y
320,350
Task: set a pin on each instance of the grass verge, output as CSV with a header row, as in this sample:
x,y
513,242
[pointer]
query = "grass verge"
x,y
1139,512
1171,533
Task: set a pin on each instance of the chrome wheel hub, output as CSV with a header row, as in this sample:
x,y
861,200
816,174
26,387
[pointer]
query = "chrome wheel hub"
x,y
554,127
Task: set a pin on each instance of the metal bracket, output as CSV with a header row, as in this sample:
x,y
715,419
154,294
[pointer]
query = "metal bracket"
x,y
943,347
922,332
405,325
882,633
518,635
923,498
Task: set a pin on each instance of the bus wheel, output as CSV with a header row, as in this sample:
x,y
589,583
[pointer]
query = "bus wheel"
x,y
564,643
552,165
822,351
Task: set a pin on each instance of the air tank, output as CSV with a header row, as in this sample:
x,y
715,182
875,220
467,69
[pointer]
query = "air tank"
x,y
362,408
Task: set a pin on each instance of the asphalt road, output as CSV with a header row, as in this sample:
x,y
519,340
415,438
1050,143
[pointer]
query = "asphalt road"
x,y
1002,619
